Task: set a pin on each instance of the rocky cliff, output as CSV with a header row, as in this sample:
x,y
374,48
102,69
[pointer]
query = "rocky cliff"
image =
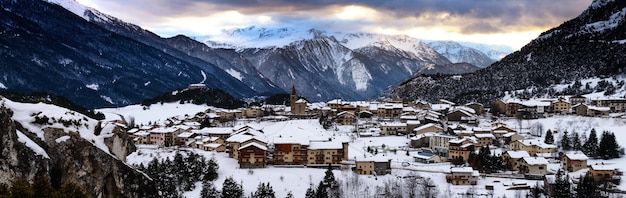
x,y
66,156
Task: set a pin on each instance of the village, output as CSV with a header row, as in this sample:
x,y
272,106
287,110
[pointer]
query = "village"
x,y
433,133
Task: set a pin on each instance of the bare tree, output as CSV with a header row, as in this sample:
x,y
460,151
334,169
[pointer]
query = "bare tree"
x,y
427,188
411,181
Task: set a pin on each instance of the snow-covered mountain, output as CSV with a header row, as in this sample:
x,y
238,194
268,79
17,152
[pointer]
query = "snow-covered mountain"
x,y
588,46
94,59
327,65
457,53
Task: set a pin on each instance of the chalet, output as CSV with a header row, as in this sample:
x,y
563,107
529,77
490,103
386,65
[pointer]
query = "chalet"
x,y
500,130
460,149
164,136
252,155
388,110
427,157
598,111
561,106
461,115
477,107
511,137
420,104
253,112
580,109
421,140
207,143
601,173
462,176
335,104
577,99
393,128
411,125
346,118
512,159
616,105
373,165
141,137
533,165
430,127
242,136
327,152
574,161
532,146
183,138
499,107
484,139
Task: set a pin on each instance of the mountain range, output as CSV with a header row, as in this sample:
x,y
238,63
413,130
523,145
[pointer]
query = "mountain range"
x,y
590,45
64,48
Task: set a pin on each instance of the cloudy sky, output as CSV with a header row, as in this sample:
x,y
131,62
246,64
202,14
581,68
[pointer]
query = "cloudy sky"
x,y
506,22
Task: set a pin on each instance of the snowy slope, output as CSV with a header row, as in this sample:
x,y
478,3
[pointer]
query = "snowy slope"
x,y
26,115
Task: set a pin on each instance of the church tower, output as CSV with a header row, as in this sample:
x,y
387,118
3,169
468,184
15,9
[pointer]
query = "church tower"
x,y
293,98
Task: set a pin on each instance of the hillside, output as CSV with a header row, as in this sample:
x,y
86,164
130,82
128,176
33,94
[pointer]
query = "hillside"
x,y
589,45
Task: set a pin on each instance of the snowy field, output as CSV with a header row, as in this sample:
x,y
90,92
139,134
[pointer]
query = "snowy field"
x,y
297,180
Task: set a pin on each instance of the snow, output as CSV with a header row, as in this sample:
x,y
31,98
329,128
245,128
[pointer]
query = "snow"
x,y
535,160
614,20
147,83
30,144
2,86
93,86
107,98
156,113
234,74
204,77
62,139
72,6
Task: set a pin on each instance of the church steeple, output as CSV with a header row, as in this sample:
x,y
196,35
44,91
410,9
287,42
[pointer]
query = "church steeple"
x,y
293,97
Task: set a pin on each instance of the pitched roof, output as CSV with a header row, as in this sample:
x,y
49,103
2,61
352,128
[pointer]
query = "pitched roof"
x,y
535,160
262,147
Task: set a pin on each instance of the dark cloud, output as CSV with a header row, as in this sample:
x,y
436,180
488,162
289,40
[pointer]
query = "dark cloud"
x,y
469,16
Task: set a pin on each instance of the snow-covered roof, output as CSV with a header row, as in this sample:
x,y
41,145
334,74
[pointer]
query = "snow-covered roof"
x,y
413,122
214,130
485,135
596,108
393,124
535,160
370,158
408,117
301,101
461,170
577,156
292,140
345,113
427,126
142,133
262,147
538,142
325,145
518,154
508,134
185,135
602,167
163,130
212,145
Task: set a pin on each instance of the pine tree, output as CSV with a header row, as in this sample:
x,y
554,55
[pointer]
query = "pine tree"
x,y
587,187
575,139
562,186
264,191
289,195
209,190
310,192
590,147
536,191
549,138
565,141
330,183
231,189
21,188
322,191
210,172
608,148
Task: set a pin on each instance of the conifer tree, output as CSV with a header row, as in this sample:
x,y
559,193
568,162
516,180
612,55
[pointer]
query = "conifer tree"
x,y
289,195
608,147
310,192
565,141
210,172
549,139
322,191
231,189
209,190
264,191
575,139
590,147
562,186
587,187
